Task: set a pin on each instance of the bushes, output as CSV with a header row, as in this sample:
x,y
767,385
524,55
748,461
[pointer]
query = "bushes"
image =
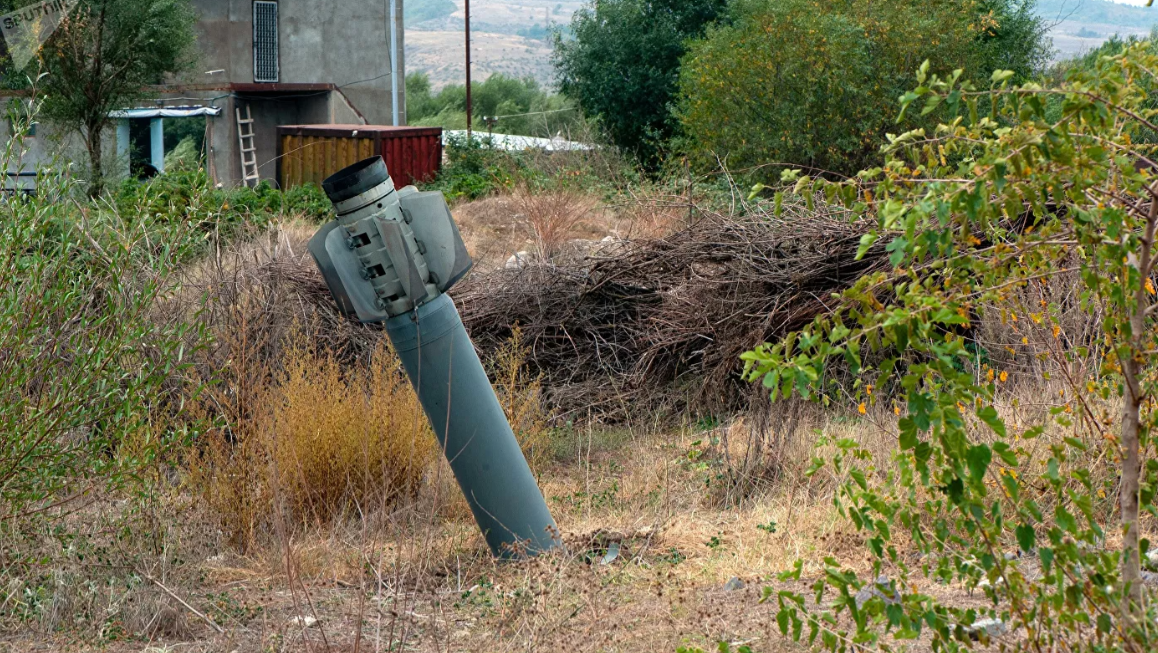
x,y
499,95
309,435
1044,225
815,84
186,195
475,168
86,364
342,440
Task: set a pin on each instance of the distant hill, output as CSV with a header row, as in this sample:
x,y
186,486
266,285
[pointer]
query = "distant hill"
x,y
419,11
1078,26
1128,17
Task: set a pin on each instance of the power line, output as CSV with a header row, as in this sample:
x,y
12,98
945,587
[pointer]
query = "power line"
x,y
533,113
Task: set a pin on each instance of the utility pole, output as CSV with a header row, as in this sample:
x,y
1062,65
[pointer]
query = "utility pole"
x,y
469,107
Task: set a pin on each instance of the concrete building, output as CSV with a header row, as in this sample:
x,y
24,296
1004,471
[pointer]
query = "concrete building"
x,y
291,62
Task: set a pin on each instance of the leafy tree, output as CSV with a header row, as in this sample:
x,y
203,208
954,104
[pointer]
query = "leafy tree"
x,y
815,83
978,214
522,105
103,56
622,66
90,374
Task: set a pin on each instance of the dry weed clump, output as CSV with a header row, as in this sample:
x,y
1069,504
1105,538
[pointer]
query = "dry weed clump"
x,y
552,216
315,440
520,395
345,440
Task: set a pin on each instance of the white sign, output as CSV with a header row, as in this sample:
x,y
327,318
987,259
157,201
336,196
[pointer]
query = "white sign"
x,y
27,28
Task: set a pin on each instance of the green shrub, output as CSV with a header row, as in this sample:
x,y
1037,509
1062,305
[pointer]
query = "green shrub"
x,y
186,196
90,376
815,84
520,105
474,168
986,217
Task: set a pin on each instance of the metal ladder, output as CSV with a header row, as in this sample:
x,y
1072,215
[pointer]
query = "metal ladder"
x,y
248,149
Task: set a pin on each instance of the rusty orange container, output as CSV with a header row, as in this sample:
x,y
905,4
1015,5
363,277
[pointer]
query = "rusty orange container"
x,y
310,153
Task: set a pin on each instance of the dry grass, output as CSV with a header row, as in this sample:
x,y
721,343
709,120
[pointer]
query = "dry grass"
x,y
312,419
552,216
345,440
319,470
688,509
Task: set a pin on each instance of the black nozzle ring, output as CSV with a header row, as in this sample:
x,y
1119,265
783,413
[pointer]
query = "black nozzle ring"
x,y
355,179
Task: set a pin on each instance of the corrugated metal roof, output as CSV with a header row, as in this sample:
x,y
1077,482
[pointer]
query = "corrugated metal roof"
x,y
519,143
167,112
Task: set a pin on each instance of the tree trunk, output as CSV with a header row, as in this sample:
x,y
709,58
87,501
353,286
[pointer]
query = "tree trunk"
x,y
1132,397
1128,497
93,143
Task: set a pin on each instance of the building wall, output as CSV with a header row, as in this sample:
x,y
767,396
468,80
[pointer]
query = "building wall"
x,y
55,149
345,44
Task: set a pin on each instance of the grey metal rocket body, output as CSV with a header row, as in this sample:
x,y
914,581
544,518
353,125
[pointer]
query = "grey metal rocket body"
x,y
472,429
390,256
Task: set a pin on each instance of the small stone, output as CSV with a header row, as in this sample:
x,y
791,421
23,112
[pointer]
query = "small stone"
x,y
304,622
1149,578
612,554
987,627
882,587
518,261
734,584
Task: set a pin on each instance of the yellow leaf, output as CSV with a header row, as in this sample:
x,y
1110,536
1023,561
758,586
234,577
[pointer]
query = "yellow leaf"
x,y
861,408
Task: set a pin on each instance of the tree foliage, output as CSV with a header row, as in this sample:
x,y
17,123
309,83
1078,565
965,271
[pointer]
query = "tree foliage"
x,y
103,56
90,376
622,66
979,213
521,106
815,83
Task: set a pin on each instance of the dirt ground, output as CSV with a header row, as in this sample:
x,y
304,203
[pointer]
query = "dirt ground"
x,y
665,549
660,556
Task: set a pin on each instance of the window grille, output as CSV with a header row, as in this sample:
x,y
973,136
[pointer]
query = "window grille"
x,y
265,59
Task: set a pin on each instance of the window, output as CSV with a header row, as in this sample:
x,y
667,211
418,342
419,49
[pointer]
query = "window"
x,y
265,61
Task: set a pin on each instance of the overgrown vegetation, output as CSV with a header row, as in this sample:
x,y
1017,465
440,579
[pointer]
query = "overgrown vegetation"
x,y
186,197
476,168
199,445
837,70
979,214
501,104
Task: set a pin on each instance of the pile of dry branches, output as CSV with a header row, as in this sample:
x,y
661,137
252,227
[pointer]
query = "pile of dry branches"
x,y
664,321
612,329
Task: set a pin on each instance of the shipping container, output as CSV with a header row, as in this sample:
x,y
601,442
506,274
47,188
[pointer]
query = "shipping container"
x,y
310,153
